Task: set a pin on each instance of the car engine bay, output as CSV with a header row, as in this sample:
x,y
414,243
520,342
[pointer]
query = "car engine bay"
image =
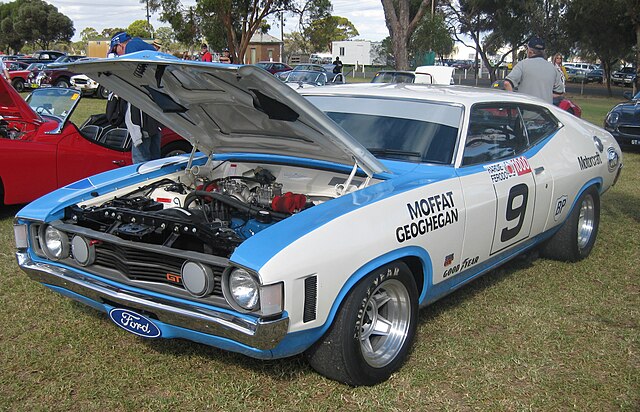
x,y
212,208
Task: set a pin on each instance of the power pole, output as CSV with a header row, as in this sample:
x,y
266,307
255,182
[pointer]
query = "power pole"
x,y
149,21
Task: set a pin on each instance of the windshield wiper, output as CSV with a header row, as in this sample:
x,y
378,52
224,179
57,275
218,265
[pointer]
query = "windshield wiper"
x,y
379,151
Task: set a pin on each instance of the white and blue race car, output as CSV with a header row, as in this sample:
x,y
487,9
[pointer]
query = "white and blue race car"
x,y
315,222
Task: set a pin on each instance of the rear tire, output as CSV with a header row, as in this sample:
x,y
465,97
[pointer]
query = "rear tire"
x,y
373,330
176,148
62,83
576,237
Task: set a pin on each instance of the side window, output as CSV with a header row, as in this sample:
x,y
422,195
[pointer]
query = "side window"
x,y
538,122
495,132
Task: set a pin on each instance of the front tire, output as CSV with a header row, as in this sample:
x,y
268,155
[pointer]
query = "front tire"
x,y
102,93
373,330
18,84
176,148
576,237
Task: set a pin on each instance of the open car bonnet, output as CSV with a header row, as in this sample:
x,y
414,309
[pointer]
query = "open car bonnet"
x,y
222,108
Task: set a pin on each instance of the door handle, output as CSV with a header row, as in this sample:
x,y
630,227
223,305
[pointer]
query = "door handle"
x,y
539,170
118,162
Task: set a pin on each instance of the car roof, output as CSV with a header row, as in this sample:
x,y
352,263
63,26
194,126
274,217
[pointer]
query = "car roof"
x,y
466,95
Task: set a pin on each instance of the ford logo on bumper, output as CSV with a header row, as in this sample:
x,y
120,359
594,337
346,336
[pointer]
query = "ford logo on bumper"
x,y
134,323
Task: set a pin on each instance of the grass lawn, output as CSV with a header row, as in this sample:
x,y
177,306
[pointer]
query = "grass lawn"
x,y
532,335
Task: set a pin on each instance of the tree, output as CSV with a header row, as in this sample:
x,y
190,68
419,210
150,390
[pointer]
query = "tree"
x,y
402,18
33,21
237,20
140,28
109,32
615,34
432,35
321,33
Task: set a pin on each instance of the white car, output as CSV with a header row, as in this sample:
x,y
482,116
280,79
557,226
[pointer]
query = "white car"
x,y
315,222
88,86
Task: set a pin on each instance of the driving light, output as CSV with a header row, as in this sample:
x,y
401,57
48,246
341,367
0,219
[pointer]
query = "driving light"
x,y
20,234
55,243
244,289
197,279
84,251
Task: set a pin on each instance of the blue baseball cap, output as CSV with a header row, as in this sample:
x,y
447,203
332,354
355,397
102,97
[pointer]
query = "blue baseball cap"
x,y
118,38
536,43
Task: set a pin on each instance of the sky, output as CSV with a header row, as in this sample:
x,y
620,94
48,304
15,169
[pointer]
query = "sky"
x,y
366,15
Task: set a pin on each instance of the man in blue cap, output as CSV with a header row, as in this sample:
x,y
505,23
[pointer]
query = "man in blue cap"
x,y
123,43
144,129
535,75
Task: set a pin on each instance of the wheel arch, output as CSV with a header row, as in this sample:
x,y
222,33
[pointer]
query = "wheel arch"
x,y
595,182
417,260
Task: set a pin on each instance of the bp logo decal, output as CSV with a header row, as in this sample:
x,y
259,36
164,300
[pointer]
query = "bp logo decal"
x,y
134,323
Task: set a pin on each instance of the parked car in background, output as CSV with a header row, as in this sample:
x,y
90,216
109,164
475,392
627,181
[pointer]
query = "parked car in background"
x,y
624,77
394,76
88,86
595,76
309,78
19,77
42,56
48,77
42,149
316,222
623,121
576,75
274,67
584,66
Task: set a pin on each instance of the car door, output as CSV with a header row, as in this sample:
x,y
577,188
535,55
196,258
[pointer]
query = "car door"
x,y
497,181
79,157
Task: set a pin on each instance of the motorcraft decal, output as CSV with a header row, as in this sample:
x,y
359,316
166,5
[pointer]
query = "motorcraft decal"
x,y
509,168
587,162
134,323
428,214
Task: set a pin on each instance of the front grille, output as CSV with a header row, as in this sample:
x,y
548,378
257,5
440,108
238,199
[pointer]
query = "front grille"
x,y
142,265
630,130
80,81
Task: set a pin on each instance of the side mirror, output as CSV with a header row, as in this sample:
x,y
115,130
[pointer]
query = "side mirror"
x,y
627,95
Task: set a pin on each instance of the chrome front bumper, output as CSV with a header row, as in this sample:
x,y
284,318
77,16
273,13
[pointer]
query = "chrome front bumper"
x,y
259,334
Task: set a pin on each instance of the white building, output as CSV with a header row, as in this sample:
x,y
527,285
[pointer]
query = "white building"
x,y
361,52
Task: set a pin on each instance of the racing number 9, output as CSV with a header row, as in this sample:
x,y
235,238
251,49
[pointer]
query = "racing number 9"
x,y
517,212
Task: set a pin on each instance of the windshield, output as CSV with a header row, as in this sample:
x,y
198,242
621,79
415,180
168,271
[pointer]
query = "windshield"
x,y
393,77
54,103
413,131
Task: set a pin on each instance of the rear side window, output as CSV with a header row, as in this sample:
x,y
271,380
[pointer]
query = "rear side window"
x,y
539,123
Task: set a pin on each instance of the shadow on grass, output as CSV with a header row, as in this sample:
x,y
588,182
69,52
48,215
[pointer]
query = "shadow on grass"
x,y
9,211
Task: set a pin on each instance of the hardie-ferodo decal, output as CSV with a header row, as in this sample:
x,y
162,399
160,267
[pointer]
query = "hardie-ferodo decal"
x,y
508,169
587,162
428,214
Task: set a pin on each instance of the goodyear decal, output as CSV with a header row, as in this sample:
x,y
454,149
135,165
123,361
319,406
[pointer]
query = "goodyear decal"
x,y
508,169
428,214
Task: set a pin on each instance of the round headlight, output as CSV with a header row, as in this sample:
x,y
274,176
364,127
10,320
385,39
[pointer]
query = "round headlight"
x,y
83,251
197,279
244,289
613,118
55,243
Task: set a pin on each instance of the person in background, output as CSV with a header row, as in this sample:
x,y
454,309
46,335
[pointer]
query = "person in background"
x,y
157,44
337,65
4,71
557,61
535,75
226,56
205,56
143,129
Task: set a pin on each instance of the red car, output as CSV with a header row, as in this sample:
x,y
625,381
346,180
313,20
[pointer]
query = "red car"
x,y
42,149
274,67
18,72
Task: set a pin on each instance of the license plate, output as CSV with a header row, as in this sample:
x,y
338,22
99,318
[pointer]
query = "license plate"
x,y
33,85
635,141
